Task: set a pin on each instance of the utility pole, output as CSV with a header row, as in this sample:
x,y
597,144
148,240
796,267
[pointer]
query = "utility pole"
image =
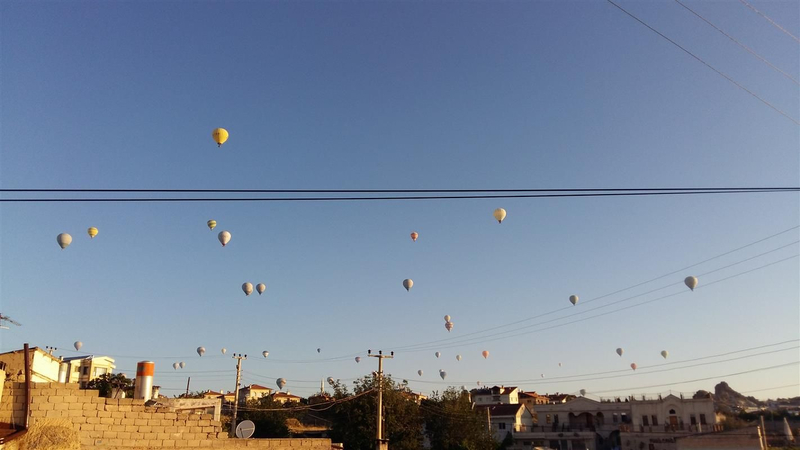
x,y
380,443
187,386
238,359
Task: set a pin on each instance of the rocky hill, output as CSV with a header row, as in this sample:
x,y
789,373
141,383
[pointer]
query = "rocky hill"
x,y
728,400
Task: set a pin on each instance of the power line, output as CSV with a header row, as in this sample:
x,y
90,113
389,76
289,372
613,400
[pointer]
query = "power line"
x,y
751,51
386,198
381,191
770,20
736,83
771,388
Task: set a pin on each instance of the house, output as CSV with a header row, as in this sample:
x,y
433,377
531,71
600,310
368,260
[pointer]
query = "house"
x,y
414,396
83,369
253,392
531,399
559,398
44,366
508,418
496,395
284,397
320,397
212,394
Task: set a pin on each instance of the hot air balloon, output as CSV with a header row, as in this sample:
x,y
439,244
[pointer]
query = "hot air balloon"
x,y
319,350
620,351
78,345
559,364
633,366
261,287
201,351
220,135
224,350
211,224
499,215
438,354
247,288
64,240
175,366
664,353
542,375
573,299
330,381
448,325
265,353
447,318
281,382
691,282
224,237
442,374
478,383
419,372
485,354
414,236
458,357
182,364
408,284
358,359
92,231
583,391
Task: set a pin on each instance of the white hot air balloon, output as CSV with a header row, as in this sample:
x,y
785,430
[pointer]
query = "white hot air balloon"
x,y
447,318
419,372
542,375
64,239
224,237
573,299
442,374
281,382
358,359
201,351
691,282
265,353
449,326
261,287
78,345
583,391
408,284
247,288
664,353
620,351
175,366
438,354
559,364
224,350
331,381
182,364
458,357
499,215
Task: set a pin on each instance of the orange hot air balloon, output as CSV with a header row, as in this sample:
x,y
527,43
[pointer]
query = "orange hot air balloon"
x,y
634,366
485,354
414,236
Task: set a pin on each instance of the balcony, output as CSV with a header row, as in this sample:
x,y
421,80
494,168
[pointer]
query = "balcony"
x,y
666,428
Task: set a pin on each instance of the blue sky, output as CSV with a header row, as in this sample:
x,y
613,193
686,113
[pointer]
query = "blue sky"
x,y
394,95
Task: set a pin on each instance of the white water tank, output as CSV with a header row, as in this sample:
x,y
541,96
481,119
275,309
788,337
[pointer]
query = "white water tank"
x,y
144,380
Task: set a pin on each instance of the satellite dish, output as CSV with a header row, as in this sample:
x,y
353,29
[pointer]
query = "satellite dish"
x,y
245,429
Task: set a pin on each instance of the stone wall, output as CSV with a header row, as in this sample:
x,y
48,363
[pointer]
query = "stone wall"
x,y
116,424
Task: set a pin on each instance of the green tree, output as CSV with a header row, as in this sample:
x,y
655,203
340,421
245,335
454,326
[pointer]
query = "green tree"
x,y
452,424
268,416
107,382
353,421
194,394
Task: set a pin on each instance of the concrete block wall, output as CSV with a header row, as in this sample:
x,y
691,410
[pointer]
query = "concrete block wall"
x,y
112,424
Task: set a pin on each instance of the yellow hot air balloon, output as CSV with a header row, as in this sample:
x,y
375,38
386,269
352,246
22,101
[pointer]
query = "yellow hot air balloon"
x,y
408,284
499,215
211,224
92,232
220,135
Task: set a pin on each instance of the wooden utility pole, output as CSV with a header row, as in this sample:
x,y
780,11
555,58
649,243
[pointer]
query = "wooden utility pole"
x,y
380,443
238,359
187,386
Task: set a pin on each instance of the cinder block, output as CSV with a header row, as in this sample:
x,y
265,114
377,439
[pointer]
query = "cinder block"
x,y
55,399
137,402
145,429
158,429
131,428
193,417
78,420
69,398
87,442
53,414
124,435
193,443
206,443
74,414
46,406
89,407
109,435
117,415
153,422
95,434
38,413
114,442
209,430
107,420
125,408
206,417
204,423
60,406
168,443
92,420
149,436
74,407
170,416
141,422
137,408
125,401
111,408
102,427
155,443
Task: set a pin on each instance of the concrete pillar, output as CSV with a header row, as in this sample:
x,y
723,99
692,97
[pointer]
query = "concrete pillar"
x,y
144,380
63,372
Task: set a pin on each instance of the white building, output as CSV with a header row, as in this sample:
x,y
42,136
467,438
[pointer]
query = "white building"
x,y
508,419
496,395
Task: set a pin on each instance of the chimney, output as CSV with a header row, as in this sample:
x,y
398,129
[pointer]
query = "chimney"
x,y
156,390
144,380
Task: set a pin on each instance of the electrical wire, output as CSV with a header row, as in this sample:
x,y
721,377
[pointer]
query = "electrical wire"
x,y
751,51
770,20
387,198
386,191
736,83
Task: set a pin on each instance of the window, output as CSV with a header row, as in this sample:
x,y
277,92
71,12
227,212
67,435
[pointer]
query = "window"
x,y
86,370
655,420
548,418
702,419
693,419
644,421
671,412
614,418
77,369
501,425
555,418
624,418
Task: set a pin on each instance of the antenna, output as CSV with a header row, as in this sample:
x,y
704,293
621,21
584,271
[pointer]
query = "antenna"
x,y
245,429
